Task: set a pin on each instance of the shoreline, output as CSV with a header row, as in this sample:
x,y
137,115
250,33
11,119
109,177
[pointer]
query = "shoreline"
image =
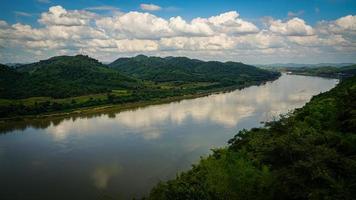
x,y
127,106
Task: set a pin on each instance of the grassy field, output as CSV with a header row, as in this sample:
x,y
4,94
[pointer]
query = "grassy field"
x,y
33,100
117,93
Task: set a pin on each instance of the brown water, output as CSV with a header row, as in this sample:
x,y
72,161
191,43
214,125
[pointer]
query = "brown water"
x,y
123,155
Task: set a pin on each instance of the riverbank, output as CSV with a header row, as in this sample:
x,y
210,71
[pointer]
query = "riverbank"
x,y
166,139
308,154
325,72
125,106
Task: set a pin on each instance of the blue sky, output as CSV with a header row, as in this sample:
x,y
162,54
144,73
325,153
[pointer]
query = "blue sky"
x,y
299,23
311,10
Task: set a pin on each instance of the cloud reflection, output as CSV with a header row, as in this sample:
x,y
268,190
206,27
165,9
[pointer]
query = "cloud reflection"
x,y
226,109
102,175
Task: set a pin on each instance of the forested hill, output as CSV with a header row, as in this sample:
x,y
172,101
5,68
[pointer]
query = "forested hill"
x,y
65,83
331,72
310,154
182,69
62,76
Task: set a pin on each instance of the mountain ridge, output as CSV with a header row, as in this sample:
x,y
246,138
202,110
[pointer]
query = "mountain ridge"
x,y
65,76
185,69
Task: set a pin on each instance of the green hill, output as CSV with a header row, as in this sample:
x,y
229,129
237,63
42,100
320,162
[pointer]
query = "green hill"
x,y
309,154
327,71
64,76
182,69
65,83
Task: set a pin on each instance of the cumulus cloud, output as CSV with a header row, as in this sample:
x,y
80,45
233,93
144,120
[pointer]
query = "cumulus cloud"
x,y
292,27
148,26
341,25
218,42
57,15
134,25
3,24
347,23
150,7
230,23
225,36
197,26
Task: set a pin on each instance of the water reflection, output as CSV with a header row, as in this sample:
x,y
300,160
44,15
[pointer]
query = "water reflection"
x,y
123,154
227,109
103,174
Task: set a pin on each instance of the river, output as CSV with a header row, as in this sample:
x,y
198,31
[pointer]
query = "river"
x,y
123,155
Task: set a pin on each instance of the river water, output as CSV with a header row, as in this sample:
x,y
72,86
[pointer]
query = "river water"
x,y
123,155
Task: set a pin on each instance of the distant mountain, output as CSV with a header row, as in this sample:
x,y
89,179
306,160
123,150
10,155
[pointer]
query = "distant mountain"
x,y
306,65
332,72
182,69
62,76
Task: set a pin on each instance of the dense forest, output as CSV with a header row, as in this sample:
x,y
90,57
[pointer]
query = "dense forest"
x,y
308,154
182,69
60,77
65,83
324,71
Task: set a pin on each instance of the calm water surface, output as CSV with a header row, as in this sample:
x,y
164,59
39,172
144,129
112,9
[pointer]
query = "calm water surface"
x,y
122,155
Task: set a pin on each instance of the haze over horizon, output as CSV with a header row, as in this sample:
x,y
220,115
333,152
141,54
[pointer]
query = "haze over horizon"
x,y
254,32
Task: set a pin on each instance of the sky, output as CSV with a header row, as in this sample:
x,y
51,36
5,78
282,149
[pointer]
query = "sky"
x,y
254,31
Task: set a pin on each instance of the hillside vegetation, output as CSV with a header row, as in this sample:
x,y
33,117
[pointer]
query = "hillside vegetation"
x,y
309,154
329,72
65,83
182,69
63,76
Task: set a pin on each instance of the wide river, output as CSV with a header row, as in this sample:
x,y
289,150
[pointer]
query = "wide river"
x,y
124,154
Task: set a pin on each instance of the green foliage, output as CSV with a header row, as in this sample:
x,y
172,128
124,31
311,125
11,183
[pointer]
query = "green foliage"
x,y
63,76
332,72
224,175
70,82
309,154
182,69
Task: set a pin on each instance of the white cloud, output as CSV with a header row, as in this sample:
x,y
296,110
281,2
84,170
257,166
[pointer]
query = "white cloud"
x,y
44,44
341,25
261,40
150,7
148,26
3,24
317,41
218,42
293,27
57,15
347,23
197,27
225,36
134,25
135,45
230,23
